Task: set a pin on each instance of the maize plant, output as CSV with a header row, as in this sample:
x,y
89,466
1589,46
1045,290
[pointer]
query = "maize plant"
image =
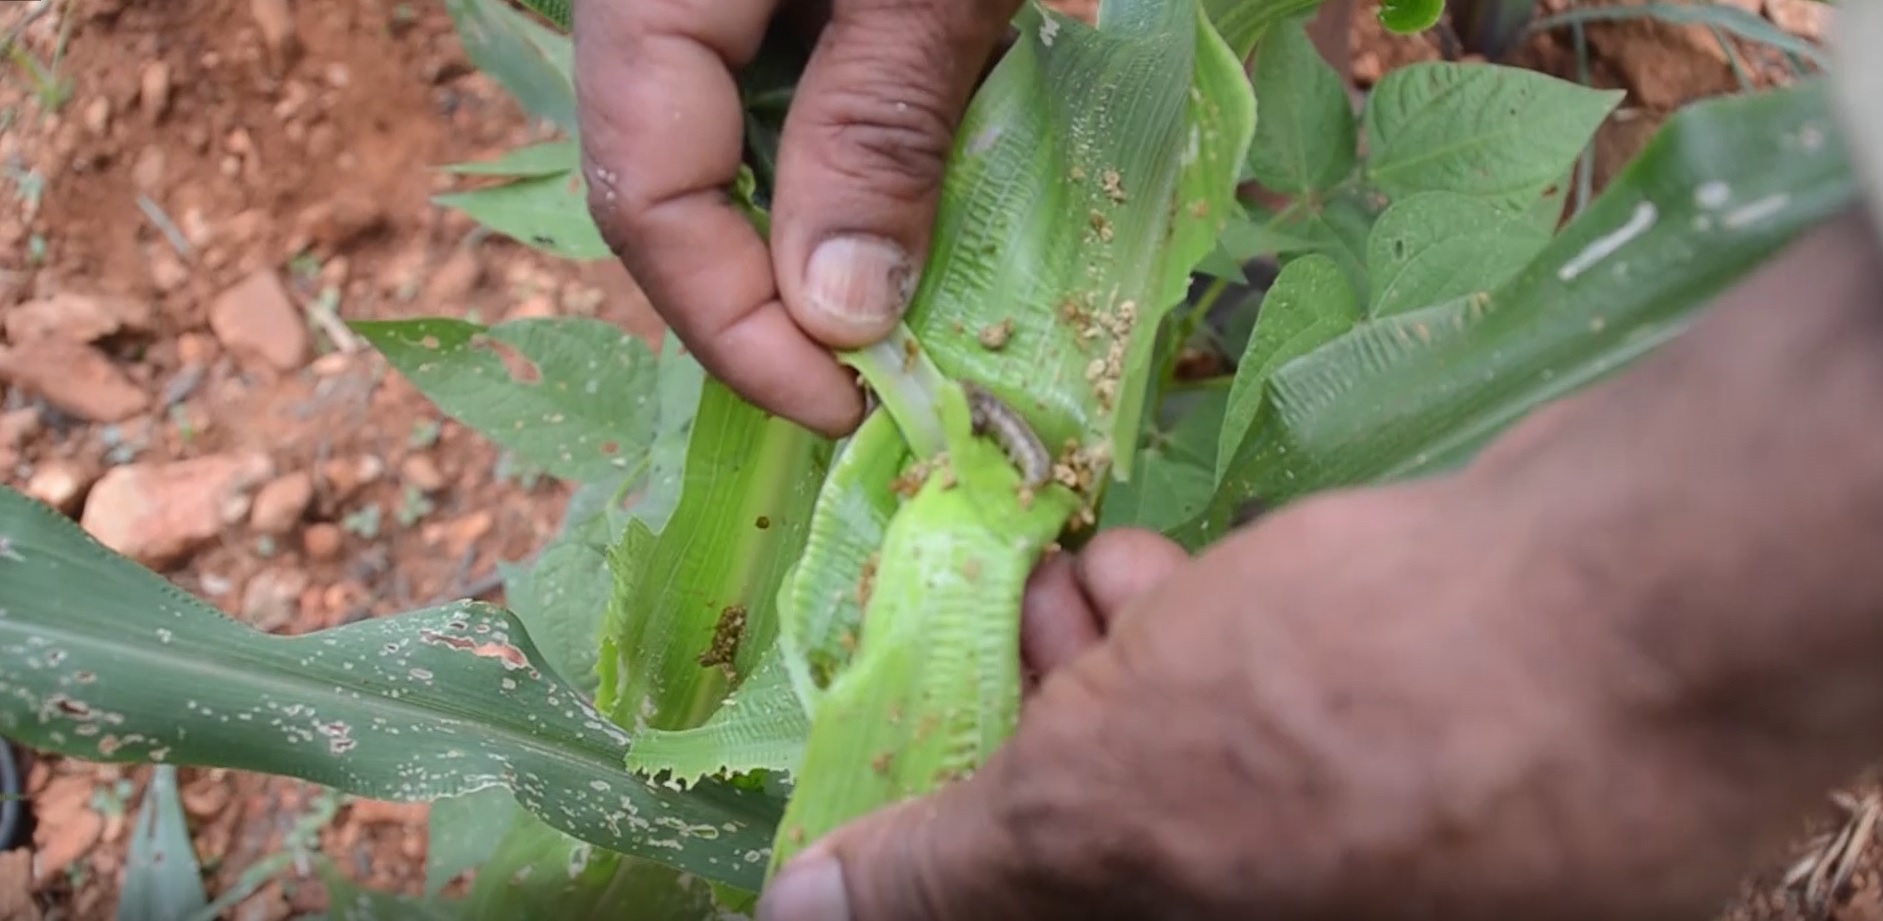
x,y
746,634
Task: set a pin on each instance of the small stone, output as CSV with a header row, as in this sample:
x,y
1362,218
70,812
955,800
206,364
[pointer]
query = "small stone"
x,y
196,349
60,484
77,379
147,170
67,826
454,281
256,320
321,542
380,812
344,477
158,513
271,598
533,307
276,22
341,220
280,504
76,318
1807,19
98,115
459,534
421,472
153,89
17,426
167,271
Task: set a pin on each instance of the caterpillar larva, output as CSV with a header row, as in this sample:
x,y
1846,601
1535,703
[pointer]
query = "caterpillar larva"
x,y
994,418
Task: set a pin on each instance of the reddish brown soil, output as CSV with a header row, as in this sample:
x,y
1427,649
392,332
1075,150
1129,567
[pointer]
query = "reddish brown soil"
x,y
263,148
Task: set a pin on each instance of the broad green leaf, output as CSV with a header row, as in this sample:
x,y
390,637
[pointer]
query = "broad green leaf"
x,y
103,660
549,213
461,832
534,63
1499,133
1092,172
701,611
562,597
1177,477
1309,305
579,404
539,872
1337,228
1721,186
551,158
1304,140
162,880
1434,247
761,726
677,383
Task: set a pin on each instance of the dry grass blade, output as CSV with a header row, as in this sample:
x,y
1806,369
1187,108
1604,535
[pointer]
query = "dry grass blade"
x,y
1832,859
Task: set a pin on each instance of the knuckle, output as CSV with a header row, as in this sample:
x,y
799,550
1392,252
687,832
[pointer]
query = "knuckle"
x,y
878,127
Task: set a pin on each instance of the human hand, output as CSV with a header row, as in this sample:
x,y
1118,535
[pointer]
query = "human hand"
x,y
859,171
1388,704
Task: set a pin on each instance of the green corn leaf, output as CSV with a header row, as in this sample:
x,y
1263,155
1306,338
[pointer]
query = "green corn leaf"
x,y
162,880
462,832
1722,185
710,581
551,158
678,379
1092,172
548,213
534,63
1308,306
1244,23
761,727
581,406
1499,133
1434,247
103,660
349,901
539,872
1305,139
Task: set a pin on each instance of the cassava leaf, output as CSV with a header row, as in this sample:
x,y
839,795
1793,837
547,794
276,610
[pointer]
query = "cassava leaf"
x,y
548,212
534,63
551,158
1309,305
709,583
162,880
103,660
1495,132
461,832
1434,247
1722,185
1304,140
582,409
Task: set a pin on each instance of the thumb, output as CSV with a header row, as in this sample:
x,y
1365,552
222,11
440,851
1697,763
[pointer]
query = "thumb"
x,y
861,156
946,856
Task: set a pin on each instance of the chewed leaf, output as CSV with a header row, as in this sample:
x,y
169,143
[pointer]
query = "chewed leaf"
x,y
536,871
571,395
103,660
549,213
761,726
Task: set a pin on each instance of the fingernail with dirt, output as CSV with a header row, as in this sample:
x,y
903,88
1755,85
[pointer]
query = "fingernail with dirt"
x,y
859,281
808,889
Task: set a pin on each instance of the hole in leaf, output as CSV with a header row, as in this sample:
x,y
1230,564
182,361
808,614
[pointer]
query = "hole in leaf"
x,y
521,369
430,342
764,522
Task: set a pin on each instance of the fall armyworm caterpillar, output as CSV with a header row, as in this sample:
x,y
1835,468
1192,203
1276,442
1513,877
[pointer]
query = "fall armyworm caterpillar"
x,y
999,421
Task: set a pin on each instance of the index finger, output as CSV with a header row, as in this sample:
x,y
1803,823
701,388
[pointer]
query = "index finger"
x,y
661,125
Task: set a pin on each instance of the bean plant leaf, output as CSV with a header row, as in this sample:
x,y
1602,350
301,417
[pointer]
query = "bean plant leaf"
x,y
1244,23
550,158
1309,305
1500,133
104,660
461,832
1175,481
534,63
562,596
547,212
1305,138
700,611
1722,185
1433,247
162,880
579,406
536,871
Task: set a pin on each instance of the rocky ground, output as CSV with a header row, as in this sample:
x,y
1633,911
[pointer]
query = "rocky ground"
x,y
191,195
